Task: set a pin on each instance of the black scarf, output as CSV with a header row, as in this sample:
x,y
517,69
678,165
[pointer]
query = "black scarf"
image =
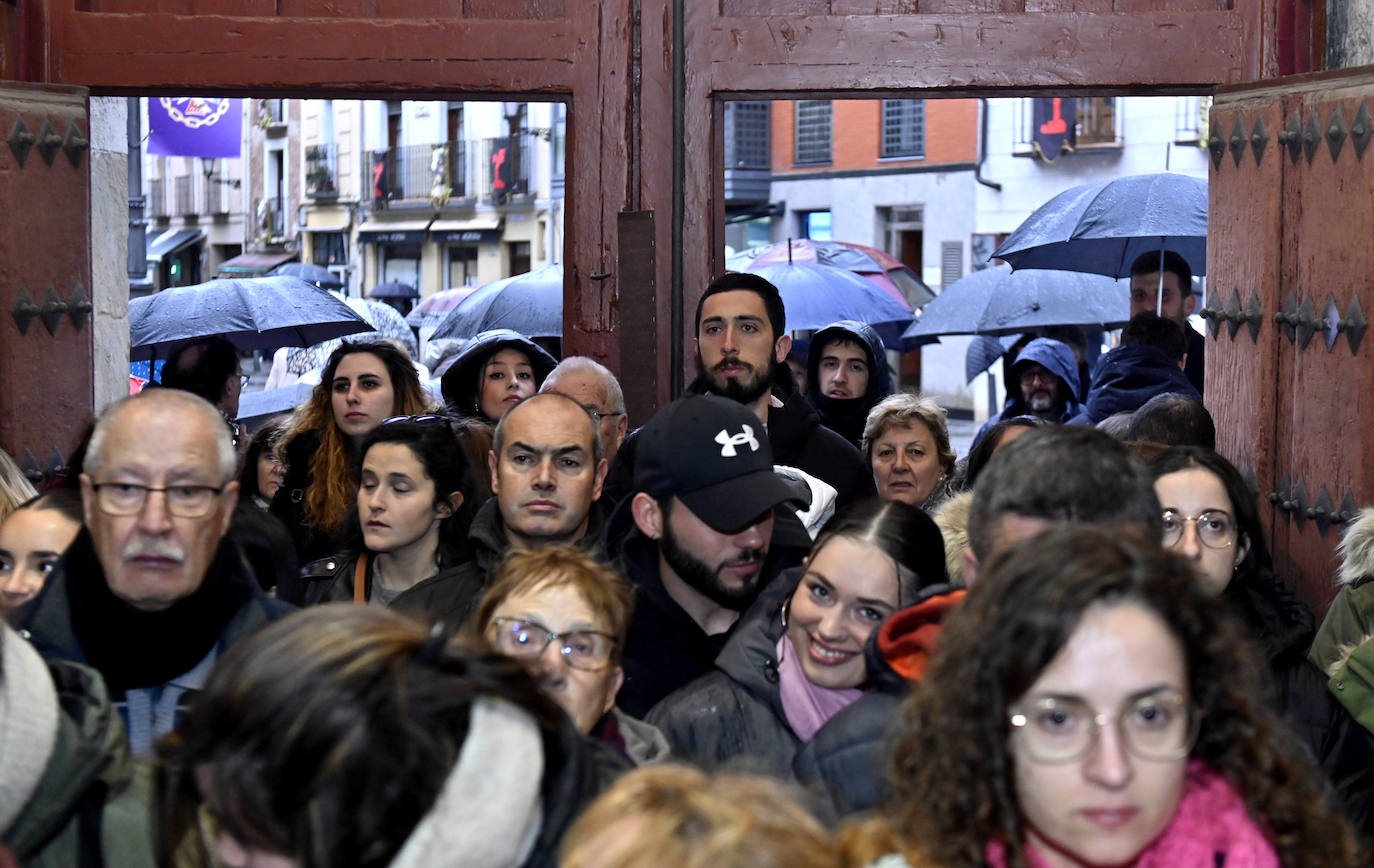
x,y
845,416
132,648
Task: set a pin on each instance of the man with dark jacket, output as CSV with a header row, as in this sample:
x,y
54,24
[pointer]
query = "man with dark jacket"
x,y
848,373
741,346
1045,385
546,472
151,592
702,546
1149,362
1173,297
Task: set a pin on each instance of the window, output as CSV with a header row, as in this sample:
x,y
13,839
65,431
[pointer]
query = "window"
x,y
813,132
816,225
1097,121
951,262
519,256
747,135
329,248
462,265
904,128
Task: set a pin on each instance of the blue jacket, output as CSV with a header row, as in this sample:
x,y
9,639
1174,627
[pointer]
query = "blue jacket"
x,y
1055,357
1126,378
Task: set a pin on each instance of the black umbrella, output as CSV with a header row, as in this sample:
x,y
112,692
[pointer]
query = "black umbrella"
x,y
251,312
394,289
311,273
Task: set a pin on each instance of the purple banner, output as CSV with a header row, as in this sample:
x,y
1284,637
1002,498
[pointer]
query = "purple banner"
x,y
195,126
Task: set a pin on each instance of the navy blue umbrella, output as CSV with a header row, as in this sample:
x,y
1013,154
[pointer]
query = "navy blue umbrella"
x,y
983,351
1101,228
311,273
531,304
251,312
394,289
817,295
999,301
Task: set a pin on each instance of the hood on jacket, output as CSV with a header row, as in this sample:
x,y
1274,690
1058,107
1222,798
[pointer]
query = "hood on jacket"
x,y
459,382
1056,357
852,331
1129,376
952,519
1356,549
902,647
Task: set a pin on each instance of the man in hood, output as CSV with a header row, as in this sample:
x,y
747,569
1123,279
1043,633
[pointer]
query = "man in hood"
x,y
1149,362
847,372
1044,384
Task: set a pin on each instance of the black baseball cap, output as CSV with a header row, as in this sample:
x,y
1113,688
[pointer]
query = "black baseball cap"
x,y
712,454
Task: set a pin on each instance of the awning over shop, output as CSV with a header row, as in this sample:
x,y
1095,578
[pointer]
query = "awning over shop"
x,y
479,230
247,264
171,242
393,231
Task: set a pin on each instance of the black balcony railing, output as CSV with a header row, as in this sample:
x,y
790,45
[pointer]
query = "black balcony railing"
x,y
271,218
322,170
488,170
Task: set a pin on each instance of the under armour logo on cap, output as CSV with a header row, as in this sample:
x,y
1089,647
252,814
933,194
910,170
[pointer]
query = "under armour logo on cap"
x,y
728,442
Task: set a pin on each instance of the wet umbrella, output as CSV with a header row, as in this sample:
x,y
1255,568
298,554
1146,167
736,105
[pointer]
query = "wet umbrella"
x,y
999,301
383,319
433,308
394,289
983,351
531,304
251,312
1101,228
883,269
817,295
311,273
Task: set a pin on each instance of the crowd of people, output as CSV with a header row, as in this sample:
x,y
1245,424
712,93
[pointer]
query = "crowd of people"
x,y
765,627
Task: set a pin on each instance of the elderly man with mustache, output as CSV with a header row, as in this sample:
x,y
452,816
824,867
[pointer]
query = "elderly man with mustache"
x,y
151,592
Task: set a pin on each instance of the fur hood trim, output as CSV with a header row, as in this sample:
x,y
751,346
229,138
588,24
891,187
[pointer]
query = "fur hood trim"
x,y
1356,549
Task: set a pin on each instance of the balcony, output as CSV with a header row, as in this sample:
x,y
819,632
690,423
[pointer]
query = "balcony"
x,y
271,219
322,171
185,197
492,171
157,199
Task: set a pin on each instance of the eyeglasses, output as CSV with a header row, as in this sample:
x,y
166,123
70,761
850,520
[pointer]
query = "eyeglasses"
x,y
583,649
1157,726
1028,377
598,415
183,501
422,419
1215,528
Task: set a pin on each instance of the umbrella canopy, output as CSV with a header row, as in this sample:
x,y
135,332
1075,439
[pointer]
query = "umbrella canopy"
x,y
311,273
256,406
394,289
251,312
1101,228
999,301
433,308
531,304
883,269
382,317
983,351
817,295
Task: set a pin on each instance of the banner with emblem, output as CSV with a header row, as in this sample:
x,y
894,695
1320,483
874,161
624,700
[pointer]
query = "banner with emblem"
x,y
195,126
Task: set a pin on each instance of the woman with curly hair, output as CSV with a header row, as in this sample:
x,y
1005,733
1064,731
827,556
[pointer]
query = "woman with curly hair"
x,y
1091,706
362,384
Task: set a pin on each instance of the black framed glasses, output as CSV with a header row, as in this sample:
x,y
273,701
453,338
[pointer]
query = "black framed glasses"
x,y
582,649
1215,528
598,415
1157,726
421,419
183,501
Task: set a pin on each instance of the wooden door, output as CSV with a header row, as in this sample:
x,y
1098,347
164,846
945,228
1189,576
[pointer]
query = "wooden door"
x,y
1292,391
46,391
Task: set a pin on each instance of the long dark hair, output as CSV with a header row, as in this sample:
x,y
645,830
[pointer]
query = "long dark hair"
x,y
432,443
264,440
328,735
1241,495
952,774
900,531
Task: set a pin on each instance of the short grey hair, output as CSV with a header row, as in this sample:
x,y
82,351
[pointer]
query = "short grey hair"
x,y
173,400
615,396
904,408
598,451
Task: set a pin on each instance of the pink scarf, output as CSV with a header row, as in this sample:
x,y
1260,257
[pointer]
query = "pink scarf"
x,y
806,706
1211,819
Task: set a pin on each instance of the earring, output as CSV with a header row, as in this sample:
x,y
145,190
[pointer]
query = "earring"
x,y
786,609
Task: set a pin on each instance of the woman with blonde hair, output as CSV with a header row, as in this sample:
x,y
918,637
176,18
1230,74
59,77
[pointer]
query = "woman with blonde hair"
x,y
906,444
1091,706
14,487
677,815
363,384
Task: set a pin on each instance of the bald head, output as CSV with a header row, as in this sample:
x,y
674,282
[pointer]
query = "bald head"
x,y
592,385
173,403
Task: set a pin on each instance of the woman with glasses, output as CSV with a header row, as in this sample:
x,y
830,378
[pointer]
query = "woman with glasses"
x,y
363,383
495,371
798,656
563,614
1090,706
1211,520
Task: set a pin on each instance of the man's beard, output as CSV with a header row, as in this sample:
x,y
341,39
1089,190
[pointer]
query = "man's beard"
x,y
743,391
701,577
1041,402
